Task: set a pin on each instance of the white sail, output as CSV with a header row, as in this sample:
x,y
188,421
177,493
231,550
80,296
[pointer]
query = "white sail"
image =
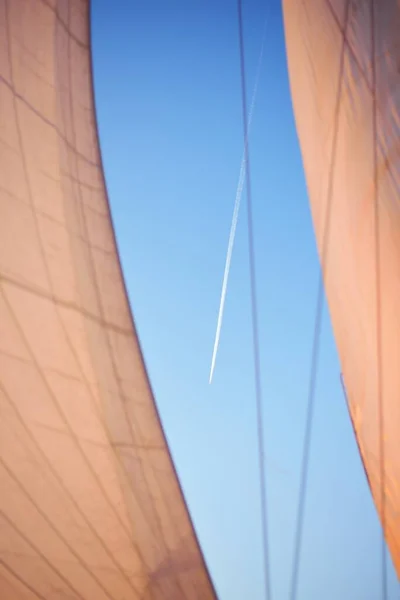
x,y
344,67
90,505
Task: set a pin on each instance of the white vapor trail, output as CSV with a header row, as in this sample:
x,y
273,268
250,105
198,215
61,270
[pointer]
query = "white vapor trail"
x,y
235,216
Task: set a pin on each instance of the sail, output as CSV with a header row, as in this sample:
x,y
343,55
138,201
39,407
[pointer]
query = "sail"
x,y
344,68
90,504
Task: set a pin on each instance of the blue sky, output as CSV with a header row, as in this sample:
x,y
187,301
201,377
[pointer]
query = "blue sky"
x,y
167,84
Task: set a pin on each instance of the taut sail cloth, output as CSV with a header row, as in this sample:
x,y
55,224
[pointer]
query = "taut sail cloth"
x,y
90,505
344,66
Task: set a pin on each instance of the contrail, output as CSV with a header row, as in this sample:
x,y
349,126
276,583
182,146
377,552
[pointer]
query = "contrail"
x,y
235,216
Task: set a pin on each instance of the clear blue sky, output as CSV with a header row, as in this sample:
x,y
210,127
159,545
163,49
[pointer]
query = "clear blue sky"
x,y
167,83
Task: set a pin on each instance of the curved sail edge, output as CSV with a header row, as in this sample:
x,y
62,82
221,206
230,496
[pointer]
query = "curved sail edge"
x,y
91,506
330,48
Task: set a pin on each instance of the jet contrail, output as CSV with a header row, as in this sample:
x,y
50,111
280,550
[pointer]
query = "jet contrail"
x,y
235,216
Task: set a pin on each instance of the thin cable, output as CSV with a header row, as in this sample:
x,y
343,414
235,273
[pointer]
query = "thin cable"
x,y
317,330
254,315
378,304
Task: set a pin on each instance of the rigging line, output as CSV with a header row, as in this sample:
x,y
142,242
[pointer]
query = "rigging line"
x,y
317,326
254,315
378,302
236,209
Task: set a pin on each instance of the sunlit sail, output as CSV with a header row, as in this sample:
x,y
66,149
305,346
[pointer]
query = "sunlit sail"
x,y
90,505
344,68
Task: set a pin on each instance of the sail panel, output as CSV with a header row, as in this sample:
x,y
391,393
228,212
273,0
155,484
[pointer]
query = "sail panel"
x,y
331,46
90,504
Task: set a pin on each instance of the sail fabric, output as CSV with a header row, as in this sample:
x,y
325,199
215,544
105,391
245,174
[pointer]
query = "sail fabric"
x,y
353,176
90,504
